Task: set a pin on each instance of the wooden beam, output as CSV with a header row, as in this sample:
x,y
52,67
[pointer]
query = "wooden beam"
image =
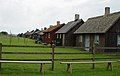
x,y
89,62
27,62
108,48
26,53
25,46
39,53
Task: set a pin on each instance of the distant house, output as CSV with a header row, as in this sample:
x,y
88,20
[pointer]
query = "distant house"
x,y
32,34
38,35
27,34
49,34
65,35
101,30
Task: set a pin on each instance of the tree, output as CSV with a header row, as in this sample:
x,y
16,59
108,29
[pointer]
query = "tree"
x,y
4,33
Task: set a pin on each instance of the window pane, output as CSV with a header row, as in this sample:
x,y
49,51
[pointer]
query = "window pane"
x,y
118,39
80,38
48,35
96,39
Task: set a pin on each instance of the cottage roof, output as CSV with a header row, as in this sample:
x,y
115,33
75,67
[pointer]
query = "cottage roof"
x,y
100,24
39,32
27,33
69,26
32,32
53,28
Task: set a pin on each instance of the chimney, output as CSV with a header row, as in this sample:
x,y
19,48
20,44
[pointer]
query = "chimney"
x,y
107,10
41,29
45,28
76,17
51,26
58,22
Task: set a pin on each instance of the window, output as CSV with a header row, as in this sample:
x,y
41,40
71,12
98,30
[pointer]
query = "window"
x,y
80,38
96,39
60,36
48,35
118,39
57,36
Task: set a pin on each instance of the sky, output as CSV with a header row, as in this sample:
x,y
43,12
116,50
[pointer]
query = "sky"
x,y
19,16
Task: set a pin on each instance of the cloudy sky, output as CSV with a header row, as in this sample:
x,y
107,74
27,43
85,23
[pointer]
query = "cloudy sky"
x,y
22,15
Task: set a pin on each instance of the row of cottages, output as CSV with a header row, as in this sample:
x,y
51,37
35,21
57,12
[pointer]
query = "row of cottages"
x,y
65,35
49,34
34,34
101,30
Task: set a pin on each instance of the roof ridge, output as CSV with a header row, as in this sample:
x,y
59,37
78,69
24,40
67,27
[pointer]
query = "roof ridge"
x,y
74,20
104,15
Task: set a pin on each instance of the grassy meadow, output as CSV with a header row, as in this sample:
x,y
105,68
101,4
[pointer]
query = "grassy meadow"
x,y
12,69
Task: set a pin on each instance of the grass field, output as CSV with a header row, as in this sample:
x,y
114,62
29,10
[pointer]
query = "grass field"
x,y
60,69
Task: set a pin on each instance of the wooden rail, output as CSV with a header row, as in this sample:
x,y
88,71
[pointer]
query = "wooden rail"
x,y
26,53
40,53
108,48
51,53
60,59
26,46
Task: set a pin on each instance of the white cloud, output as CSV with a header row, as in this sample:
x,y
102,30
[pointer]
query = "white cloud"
x,y
23,15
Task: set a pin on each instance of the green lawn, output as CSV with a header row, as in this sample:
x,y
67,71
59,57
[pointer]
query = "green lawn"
x,y
8,40
60,69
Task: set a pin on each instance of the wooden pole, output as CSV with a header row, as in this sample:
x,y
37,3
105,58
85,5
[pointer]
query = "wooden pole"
x,y
53,46
0,53
10,37
24,39
18,39
93,52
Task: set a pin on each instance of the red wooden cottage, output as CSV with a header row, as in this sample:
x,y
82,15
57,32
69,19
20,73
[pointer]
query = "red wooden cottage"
x,y
49,34
101,30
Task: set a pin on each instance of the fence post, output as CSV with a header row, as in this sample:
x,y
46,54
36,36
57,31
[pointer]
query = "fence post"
x,y
93,52
0,53
53,46
10,39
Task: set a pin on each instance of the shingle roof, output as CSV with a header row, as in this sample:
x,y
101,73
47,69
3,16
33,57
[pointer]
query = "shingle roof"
x,y
68,26
53,28
27,33
100,24
39,32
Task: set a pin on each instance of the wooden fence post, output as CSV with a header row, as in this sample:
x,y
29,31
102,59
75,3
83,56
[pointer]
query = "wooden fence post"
x,y
10,39
93,52
53,46
0,53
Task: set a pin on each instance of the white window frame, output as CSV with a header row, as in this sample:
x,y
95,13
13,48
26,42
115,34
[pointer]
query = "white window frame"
x,y
96,39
